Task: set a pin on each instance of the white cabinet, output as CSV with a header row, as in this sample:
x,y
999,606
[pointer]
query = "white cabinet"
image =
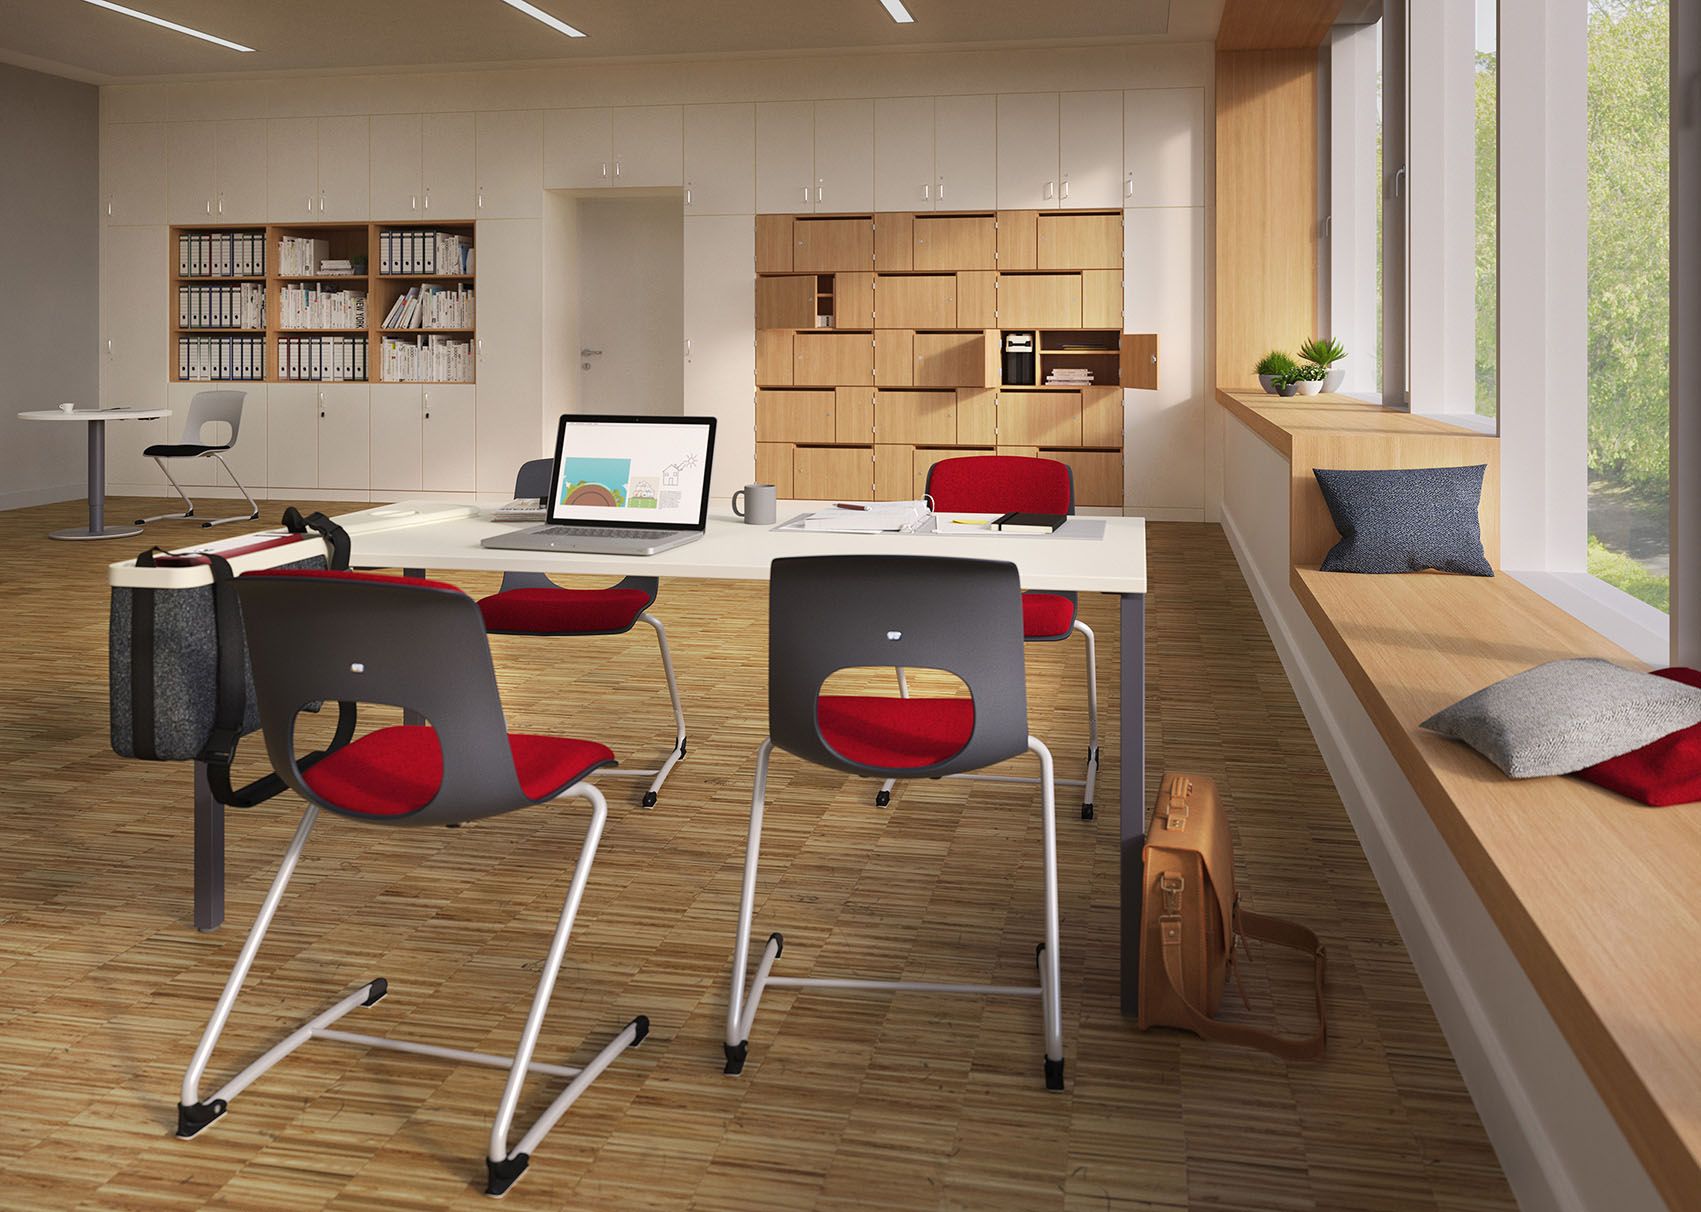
x,y
292,169
965,141
647,146
1164,430
720,357
1090,149
398,185
447,158
422,166
510,362
345,168
239,171
844,156
510,165
132,173
345,436
1027,151
292,435
450,413
903,153
785,157
423,438
1163,147
133,323
318,168
398,436
189,172
191,473
578,148
720,159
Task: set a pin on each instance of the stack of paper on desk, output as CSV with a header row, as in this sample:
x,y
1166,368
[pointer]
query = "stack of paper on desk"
x,y
871,518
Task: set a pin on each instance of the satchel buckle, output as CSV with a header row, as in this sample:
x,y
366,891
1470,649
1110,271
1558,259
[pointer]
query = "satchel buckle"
x,y
1171,885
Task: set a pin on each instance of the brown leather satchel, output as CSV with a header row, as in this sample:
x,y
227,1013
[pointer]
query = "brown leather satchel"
x,y
1192,918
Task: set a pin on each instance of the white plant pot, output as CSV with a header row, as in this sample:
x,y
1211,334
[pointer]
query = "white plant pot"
x,y
1268,382
1332,380
1307,387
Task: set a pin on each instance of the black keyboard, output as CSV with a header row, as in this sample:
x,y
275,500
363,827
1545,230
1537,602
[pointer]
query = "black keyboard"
x,y
605,532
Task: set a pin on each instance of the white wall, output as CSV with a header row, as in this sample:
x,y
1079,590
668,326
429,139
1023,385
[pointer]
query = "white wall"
x,y
49,289
631,282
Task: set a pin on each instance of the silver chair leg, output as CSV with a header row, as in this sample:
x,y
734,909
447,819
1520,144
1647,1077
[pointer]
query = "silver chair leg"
x,y
659,775
739,1015
253,509
884,795
188,505
1051,971
1092,775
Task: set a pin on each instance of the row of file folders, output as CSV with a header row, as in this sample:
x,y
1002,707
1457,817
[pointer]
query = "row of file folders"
x,y
406,251
205,358
322,359
228,254
240,306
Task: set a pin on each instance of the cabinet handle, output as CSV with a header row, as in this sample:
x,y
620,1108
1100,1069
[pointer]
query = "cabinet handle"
x,y
1128,186
806,193
605,168
427,197
617,168
109,345
687,349
481,347
1065,185
481,197
820,193
688,193
413,201
926,193
221,202
321,201
209,206
109,208
309,202
942,189
427,406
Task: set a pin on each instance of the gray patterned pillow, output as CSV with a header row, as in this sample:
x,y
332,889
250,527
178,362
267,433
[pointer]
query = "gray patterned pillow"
x,y
1562,716
1405,520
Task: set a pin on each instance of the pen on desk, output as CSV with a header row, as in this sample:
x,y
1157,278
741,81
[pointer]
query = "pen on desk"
x,y
845,505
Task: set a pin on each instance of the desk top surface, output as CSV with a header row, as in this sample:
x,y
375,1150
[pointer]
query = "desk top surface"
x,y
95,414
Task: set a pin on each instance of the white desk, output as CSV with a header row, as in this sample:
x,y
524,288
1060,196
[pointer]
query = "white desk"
x,y
96,419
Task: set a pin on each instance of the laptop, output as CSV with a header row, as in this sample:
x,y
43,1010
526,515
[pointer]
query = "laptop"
x,y
623,486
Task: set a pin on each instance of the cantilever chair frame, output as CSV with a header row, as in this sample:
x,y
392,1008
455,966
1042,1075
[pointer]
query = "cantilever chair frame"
x,y
206,408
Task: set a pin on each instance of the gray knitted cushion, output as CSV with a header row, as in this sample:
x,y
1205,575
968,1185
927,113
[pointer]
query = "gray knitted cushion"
x,y
1405,520
1562,716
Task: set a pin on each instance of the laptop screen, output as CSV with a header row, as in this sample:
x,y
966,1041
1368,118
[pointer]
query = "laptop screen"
x,y
643,472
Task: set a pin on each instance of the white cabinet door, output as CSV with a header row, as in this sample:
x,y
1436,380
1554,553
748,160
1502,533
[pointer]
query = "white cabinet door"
x,y
1027,152
398,435
189,158
292,436
239,164
510,164
451,437
191,473
720,333
292,169
720,159
397,181
510,362
248,457
133,345
1163,158
1090,149
578,148
1164,292
844,155
965,141
903,154
447,143
132,173
648,147
785,157
345,168
345,436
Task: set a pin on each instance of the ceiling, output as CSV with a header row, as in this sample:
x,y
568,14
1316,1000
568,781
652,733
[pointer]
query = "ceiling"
x,y
90,43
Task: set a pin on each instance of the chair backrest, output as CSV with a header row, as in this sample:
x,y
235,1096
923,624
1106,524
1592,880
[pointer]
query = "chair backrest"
x,y
1001,484
359,637
827,613
210,407
534,479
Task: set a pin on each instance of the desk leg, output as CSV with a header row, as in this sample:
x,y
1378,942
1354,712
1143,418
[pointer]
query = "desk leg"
x,y
1132,655
209,854
97,528
410,716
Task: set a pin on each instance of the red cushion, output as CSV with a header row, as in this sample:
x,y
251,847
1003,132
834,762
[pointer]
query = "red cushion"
x,y
893,733
563,611
1001,484
326,574
1663,773
397,770
1045,615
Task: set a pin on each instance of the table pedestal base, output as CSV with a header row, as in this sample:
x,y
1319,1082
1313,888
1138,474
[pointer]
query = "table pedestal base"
x,y
105,532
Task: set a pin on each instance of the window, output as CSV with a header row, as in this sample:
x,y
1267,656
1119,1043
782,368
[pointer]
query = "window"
x,y
1487,187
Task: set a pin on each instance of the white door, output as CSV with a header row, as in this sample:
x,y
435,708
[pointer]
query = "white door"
x,y
133,346
1090,149
189,157
1164,430
903,154
397,182
398,434
720,159
1163,158
292,169
844,155
345,436
510,164
720,336
578,149
965,141
292,436
648,147
345,168
190,472
132,173
248,457
510,363
451,437
1027,151
239,164
448,156
785,157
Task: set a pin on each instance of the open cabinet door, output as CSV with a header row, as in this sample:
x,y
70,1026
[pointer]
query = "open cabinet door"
x,y
1140,360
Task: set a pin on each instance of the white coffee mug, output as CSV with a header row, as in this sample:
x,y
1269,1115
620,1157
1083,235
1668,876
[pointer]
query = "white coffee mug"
x,y
68,406
759,503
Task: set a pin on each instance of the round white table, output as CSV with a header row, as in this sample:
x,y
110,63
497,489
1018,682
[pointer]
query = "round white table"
x,y
96,419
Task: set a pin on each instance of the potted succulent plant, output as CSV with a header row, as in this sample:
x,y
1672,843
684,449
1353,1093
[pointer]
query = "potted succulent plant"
x,y
1324,352
1271,367
1308,379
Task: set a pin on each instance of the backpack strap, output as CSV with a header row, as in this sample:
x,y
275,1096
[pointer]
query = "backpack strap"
x,y
333,534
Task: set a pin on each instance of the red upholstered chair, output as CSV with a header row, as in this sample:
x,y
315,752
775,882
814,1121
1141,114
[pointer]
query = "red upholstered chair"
x,y
529,603
828,613
419,645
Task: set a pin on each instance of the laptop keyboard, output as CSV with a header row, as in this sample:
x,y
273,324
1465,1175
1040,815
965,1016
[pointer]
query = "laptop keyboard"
x,y
604,532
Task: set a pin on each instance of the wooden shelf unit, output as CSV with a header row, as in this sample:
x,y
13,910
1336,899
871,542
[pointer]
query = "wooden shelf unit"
x,y
345,240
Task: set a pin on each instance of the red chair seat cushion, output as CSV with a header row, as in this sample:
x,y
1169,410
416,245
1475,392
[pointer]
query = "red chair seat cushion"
x,y
563,611
1046,616
1660,774
894,734
394,771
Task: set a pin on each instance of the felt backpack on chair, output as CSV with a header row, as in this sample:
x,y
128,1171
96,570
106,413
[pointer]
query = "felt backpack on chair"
x,y
1191,919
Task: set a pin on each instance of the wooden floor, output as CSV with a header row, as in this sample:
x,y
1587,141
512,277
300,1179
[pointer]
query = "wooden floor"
x,y
849,1101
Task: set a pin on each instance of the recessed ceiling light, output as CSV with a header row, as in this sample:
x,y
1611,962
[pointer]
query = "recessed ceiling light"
x,y
161,21
532,10
899,13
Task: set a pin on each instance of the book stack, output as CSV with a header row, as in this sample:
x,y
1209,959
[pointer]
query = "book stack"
x,y
206,358
317,306
242,306
229,254
429,306
413,251
299,256
333,267
1069,376
322,359
427,360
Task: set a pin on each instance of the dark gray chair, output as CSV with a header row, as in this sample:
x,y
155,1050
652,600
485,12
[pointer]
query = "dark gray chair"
x,y
828,613
206,408
356,638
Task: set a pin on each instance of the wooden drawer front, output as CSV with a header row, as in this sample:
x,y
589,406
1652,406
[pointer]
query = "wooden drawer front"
x,y
977,299
1140,360
894,472
1101,416
894,242
916,416
829,246
950,359
894,357
833,473
916,302
1101,298
786,302
774,466
1039,418
955,242
854,415
773,357
773,244
1039,300
1098,475
831,359
1017,240
795,416
977,416
853,300
1068,241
